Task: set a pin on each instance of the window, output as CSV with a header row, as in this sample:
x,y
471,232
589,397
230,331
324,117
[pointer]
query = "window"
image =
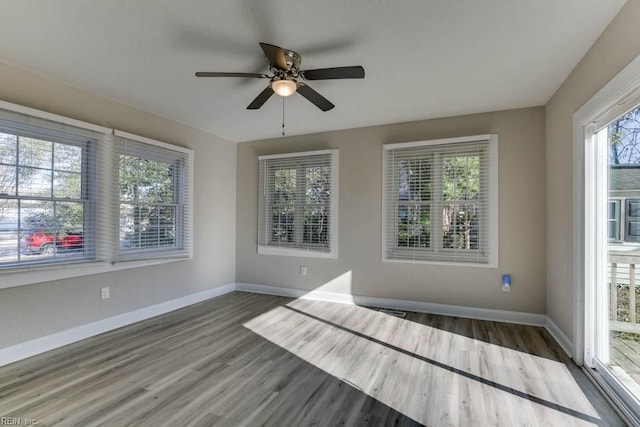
x,y
84,197
613,220
440,201
632,220
153,200
298,204
47,192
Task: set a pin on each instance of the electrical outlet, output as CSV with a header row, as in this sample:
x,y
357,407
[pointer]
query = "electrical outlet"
x,y
303,270
506,283
104,293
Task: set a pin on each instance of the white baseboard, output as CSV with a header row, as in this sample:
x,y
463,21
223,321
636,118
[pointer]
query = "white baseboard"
x,y
49,342
565,343
422,307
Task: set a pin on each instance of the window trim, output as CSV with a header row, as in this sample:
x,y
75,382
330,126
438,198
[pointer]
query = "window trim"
x,y
492,199
333,210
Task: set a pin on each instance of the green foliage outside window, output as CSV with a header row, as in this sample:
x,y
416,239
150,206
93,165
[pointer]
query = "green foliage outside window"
x,y
309,198
460,180
461,185
147,207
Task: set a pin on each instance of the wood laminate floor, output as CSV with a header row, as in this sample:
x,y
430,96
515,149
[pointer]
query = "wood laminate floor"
x,y
249,359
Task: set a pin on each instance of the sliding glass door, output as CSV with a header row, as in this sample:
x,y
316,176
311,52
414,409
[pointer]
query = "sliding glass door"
x,y
612,254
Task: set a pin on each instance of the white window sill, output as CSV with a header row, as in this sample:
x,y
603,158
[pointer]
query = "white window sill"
x,y
445,263
293,252
21,276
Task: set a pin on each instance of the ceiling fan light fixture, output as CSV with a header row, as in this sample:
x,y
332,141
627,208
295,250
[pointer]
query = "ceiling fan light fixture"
x,y
284,87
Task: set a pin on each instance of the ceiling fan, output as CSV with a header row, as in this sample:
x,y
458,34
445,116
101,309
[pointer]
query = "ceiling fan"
x,y
287,77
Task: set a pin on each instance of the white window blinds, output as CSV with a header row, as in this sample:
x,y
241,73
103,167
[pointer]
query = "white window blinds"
x,y
298,204
48,192
154,200
440,201
74,192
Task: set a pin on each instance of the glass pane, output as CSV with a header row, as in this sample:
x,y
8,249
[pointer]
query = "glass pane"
x,y
316,224
8,213
7,180
166,226
317,185
34,182
8,245
614,230
37,215
8,148
127,226
284,186
282,228
633,208
146,180
9,238
69,226
614,210
157,226
161,175
461,178
35,152
633,231
147,226
460,226
67,158
136,219
128,177
70,216
414,226
67,184
414,180
38,229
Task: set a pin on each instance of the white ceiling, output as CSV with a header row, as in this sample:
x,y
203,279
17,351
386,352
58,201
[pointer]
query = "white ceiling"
x,y
423,58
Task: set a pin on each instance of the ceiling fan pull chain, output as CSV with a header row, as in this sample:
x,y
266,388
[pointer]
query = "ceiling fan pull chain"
x,y
283,116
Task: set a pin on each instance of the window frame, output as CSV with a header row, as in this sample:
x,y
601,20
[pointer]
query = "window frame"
x,y
618,219
32,127
437,202
295,250
628,220
182,158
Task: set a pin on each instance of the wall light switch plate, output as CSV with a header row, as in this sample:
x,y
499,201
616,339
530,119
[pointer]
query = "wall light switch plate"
x,y
104,293
303,270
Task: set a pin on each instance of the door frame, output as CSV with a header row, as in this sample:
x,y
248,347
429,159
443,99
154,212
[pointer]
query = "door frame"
x,y
615,98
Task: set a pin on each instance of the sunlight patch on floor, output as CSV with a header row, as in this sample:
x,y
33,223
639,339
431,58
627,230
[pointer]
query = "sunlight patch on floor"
x,y
402,363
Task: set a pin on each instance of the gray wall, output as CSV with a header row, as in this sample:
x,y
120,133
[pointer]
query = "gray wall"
x,y
522,217
32,311
618,45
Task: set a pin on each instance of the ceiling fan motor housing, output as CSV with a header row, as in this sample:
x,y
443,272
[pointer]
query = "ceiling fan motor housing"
x,y
293,60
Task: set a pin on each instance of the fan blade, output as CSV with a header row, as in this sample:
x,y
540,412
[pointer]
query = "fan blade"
x,y
355,72
216,74
261,99
314,97
275,55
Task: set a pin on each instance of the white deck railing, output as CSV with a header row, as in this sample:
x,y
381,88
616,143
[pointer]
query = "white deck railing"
x,y
622,274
